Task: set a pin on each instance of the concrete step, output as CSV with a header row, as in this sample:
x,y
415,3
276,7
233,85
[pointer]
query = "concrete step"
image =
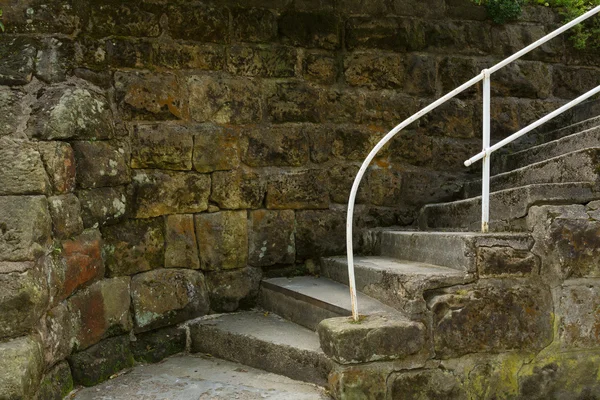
x,y
577,166
307,300
469,252
262,340
397,283
577,141
507,207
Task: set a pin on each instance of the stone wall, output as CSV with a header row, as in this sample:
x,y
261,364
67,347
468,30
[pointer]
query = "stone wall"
x,y
159,157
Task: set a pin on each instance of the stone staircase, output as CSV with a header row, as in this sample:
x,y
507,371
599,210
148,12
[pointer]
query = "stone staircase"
x,y
404,267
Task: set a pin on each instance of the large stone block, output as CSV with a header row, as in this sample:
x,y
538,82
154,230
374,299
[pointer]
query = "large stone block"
x,y
571,82
577,302
254,24
199,22
52,18
341,178
134,246
382,109
426,384
320,68
103,206
56,384
224,99
60,333
25,227
271,238
492,316
237,189
17,57
22,169
275,145
166,297
59,161
374,70
373,338
293,101
263,61
54,60
525,79
222,240
65,211
83,261
498,261
100,164
215,148
232,290
71,112
122,19
421,75
23,297
98,363
175,55
162,146
320,233
21,368
385,186
388,33
353,143
13,113
101,310
150,96
158,192
310,29
181,246
306,189
154,346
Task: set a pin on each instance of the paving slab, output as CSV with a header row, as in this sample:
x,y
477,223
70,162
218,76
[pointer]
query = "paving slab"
x,y
195,377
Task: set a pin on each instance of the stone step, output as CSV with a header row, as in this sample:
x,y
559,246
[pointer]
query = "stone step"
x,y
577,166
307,300
469,252
262,340
507,207
397,283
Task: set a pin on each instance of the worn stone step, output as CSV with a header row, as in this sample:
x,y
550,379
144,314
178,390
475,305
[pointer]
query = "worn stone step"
x,y
307,300
577,141
397,283
262,340
470,252
576,166
507,207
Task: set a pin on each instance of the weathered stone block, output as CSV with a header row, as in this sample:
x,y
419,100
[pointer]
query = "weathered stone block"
x,y
421,75
21,367
426,384
320,139
60,333
385,186
59,161
224,99
305,189
98,363
134,246
174,55
275,145
158,192
56,384
25,227
271,238
100,164
374,70
384,33
453,119
510,38
321,68
524,79
373,338
199,22
222,240
152,347
22,169
354,143
341,178
17,57
351,381
23,297
71,112
577,302
232,290
253,24
166,297
371,7
215,148
162,146
237,189
465,9
54,60
412,147
571,82
84,262
264,61
103,206
102,311
181,246
52,18
65,211
122,19
496,261
430,9
494,316
320,233
150,96
14,117
310,29
293,102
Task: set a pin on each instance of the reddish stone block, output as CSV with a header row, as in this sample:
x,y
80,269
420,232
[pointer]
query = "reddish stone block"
x,y
84,262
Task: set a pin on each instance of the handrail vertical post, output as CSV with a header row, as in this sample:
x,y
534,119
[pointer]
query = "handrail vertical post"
x,y
485,181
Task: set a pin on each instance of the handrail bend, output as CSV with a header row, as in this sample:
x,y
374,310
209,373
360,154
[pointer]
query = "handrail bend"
x,y
485,76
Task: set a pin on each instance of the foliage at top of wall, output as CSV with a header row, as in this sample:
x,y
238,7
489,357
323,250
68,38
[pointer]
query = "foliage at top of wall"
x,y
586,35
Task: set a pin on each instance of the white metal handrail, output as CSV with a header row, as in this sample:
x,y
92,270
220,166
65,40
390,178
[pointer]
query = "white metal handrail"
x,y
484,154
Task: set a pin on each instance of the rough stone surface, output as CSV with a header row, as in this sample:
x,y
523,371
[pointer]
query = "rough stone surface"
x,y
271,62
103,206
157,192
23,171
426,384
305,189
100,164
21,368
215,148
320,232
60,333
18,60
65,211
59,161
577,302
84,263
134,246
56,384
231,290
167,296
237,189
276,145
380,338
181,246
152,347
164,146
222,240
12,106
271,238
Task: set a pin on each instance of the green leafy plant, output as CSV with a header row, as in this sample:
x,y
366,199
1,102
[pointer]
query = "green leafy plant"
x,y
501,11
1,24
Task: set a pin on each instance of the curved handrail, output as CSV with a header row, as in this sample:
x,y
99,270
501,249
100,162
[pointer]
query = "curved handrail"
x,y
485,76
